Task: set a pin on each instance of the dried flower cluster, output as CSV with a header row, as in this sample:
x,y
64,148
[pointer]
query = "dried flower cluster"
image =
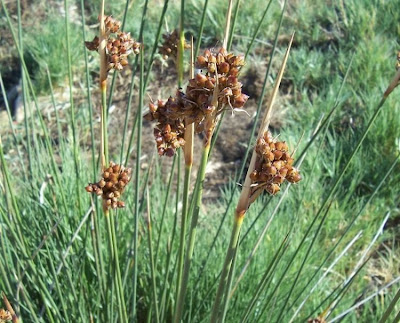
x,y
170,45
111,186
170,129
118,48
5,315
273,165
221,70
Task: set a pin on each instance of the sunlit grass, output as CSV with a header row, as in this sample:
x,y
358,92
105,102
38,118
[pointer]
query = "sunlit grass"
x,y
55,264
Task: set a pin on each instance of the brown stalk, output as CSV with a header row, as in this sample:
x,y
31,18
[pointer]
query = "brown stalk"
x,y
103,82
393,84
244,199
189,132
10,309
243,205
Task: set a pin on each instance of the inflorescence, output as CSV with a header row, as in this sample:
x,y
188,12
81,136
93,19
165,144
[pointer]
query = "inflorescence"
x,y
221,70
111,186
169,48
5,315
273,165
118,48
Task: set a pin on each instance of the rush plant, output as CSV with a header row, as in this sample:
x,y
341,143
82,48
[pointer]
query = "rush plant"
x,y
294,231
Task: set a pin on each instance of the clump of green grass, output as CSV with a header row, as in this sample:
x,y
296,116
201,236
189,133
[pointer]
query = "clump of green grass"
x,y
45,48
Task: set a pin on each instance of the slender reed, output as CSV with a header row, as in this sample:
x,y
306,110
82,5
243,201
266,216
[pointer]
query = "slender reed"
x,y
72,108
115,177
151,259
390,308
209,130
188,154
137,182
181,44
244,200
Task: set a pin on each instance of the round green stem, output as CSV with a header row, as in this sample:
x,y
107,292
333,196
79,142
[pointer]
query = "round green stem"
x,y
188,169
237,224
192,235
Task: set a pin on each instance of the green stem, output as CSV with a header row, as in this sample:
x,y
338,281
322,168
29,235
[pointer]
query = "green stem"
x,y
120,289
188,170
111,269
235,15
137,176
389,310
21,160
192,235
181,46
18,224
200,34
233,244
72,107
151,254
229,284
166,200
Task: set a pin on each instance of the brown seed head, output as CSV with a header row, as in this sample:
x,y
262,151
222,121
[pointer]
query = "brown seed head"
x,y
111,185
5,315
273,165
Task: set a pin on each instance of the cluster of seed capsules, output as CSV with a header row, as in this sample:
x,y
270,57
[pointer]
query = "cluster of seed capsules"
x,y
169,47
111,186
170,129
195,105
225,68
118,48
273,165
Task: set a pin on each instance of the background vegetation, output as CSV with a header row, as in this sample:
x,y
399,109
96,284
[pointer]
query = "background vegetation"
x,y
53,248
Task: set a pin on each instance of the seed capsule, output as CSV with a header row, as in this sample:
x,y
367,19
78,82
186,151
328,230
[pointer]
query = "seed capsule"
x,y
272,188
271,170
283,171
278,164
278,179
253,175
224,67
281,145
270,156
277,154
201,79
114,178
201,61
102,183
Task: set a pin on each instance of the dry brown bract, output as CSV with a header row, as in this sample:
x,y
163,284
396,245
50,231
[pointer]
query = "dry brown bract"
x,y
5,316
221,70
273,166
118,48
111,186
